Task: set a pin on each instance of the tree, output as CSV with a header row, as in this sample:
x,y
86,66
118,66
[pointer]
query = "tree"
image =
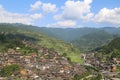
x,y
2,37
9,70
99,77
116,54
76,77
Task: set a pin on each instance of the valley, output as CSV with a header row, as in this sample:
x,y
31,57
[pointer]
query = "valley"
x,y
59,39
26,53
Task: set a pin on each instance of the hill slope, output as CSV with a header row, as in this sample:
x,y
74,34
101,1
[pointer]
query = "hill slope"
x,y
93,40
70,34
67,34
84,38
41,39
22,59
110,51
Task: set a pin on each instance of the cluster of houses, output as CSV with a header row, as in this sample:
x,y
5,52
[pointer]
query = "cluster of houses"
x,y
47,65
108,69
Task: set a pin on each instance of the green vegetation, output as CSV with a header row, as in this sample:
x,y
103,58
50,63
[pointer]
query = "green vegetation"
x,y
71,34
118,70
85,39
93,40
78,77
67,34
98,77
90,69
8,70
11,41
112,50
88,74
32,34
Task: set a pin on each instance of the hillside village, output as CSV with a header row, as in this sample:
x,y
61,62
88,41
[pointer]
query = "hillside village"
x,y
59,39
40,63
23,57
48,65
109,70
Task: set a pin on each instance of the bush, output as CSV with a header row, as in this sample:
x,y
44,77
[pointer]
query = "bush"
x,y
8,70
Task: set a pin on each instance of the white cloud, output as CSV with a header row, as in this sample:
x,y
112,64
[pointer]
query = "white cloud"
x,y
35,6
81,11
111,16
88,1
9,17
57,17
88,17
48,7
75,10
36,16
63,24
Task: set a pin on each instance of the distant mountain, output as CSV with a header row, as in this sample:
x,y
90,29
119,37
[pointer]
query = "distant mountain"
x,y
93,40
83,38
112,30
67,34
70,34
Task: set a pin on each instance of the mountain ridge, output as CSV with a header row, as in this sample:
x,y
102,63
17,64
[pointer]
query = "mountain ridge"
x,y
74,35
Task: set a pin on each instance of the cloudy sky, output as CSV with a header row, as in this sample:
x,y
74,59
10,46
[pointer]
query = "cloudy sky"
x,y
61,13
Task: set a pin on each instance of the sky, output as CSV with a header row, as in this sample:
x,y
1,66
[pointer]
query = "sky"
x,y
61,13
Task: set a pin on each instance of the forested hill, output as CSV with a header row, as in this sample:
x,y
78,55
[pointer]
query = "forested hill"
x,y
85,38
110,51
67,34
93,40
32,33
70,34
